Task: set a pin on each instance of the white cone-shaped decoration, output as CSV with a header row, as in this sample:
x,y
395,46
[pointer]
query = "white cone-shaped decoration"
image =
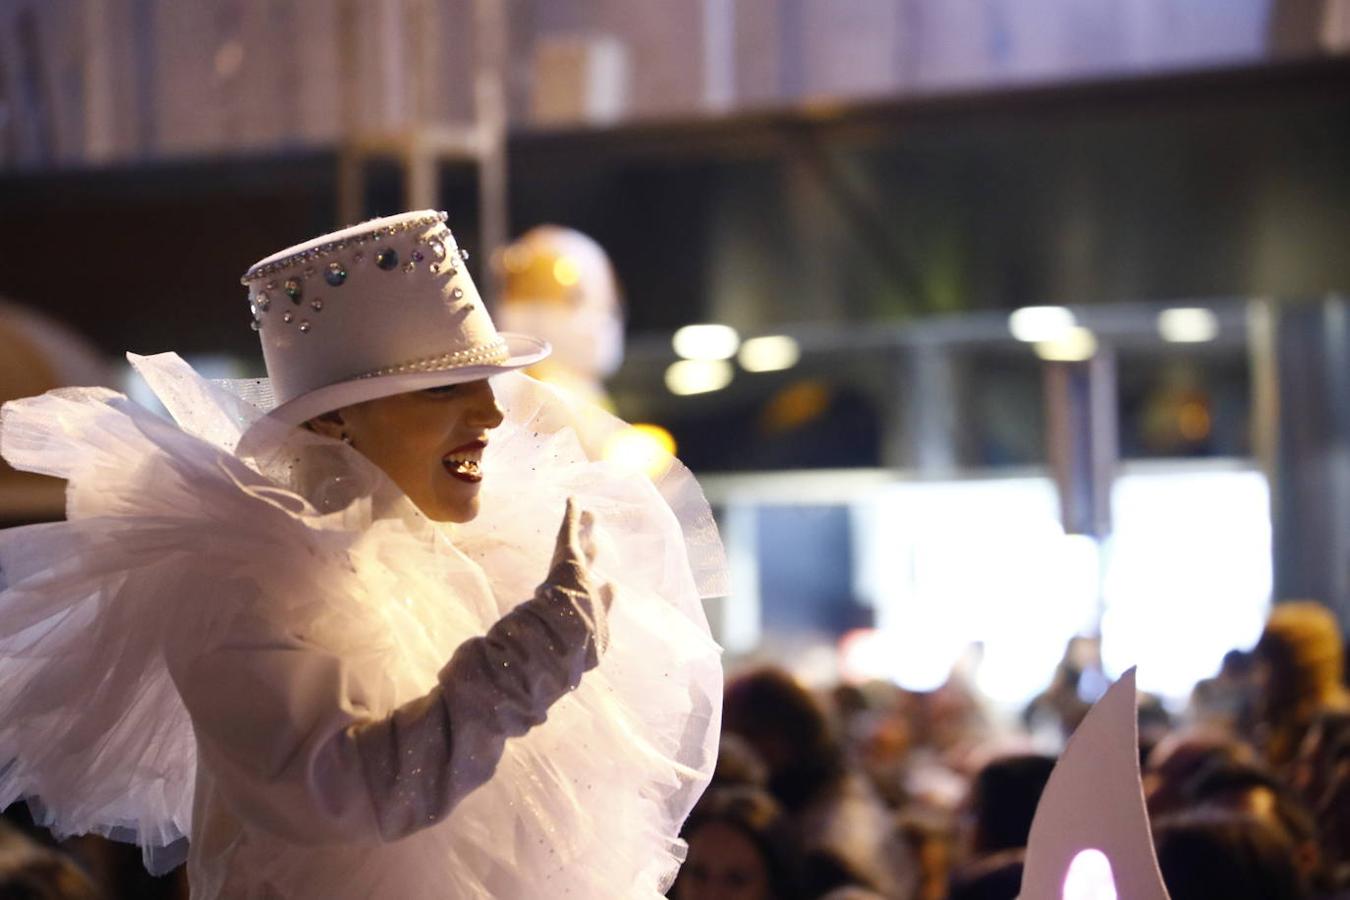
x,y
1095,801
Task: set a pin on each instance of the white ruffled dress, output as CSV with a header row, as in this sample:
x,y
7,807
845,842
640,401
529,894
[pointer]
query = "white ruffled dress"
x,y
260,656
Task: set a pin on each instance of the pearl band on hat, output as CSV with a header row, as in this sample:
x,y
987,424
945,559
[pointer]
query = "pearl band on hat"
x,y
491,354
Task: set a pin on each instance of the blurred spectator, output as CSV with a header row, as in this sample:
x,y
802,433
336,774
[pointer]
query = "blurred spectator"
x,y
1176,761
1003,802
957,719
1325,747
1225,701
1251,790
1322,777
843,829
1155,724
995,877
738,765
875,724
1060,708
29,871
1300,667
883,746
739,849
931,843
1334,815
1213,854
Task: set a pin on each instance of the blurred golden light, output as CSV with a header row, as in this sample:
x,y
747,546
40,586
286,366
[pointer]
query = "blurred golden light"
x,y
1041,324
769,354
565,271
1075,345
706,342
1193,421
1188,325
796,405
643,448
698,376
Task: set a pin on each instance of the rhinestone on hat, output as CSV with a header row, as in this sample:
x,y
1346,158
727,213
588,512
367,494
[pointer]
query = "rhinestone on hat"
x,y
324,251
335,274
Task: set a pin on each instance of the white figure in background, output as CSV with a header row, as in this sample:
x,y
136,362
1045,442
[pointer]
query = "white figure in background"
x,y
558,284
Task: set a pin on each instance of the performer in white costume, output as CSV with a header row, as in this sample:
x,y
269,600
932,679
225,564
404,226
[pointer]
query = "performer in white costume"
x,y
304,629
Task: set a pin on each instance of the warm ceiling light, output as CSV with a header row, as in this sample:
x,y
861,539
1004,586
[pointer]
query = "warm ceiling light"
x,y
1075,345
769,354
698,376
1037,324
706,342
1188,325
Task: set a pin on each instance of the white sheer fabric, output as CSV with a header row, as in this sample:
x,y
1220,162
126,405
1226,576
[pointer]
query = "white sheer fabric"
x,y
255,633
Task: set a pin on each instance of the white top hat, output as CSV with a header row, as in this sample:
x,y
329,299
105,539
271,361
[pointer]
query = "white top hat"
x,y
373,310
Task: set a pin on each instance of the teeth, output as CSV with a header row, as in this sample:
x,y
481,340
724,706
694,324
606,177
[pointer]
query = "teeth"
x,y
465,462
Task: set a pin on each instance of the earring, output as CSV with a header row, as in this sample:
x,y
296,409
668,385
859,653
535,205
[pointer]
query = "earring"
x,y
347,439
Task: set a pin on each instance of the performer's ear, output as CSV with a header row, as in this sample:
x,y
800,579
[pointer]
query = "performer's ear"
x,y
330,424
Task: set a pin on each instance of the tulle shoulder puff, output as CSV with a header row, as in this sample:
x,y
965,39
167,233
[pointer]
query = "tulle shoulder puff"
x,y
160,522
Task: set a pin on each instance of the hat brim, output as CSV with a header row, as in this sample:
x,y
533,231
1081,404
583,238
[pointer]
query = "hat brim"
x,y
522,351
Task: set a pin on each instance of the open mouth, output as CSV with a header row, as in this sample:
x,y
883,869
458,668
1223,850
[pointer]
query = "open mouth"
x,y
465,463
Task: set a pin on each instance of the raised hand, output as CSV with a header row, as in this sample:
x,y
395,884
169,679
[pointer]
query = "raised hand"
x,y
574,554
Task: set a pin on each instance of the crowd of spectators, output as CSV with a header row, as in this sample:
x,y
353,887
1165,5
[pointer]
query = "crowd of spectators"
x,y
870,791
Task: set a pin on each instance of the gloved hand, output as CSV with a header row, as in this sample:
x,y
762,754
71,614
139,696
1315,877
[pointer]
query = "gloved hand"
x,y
570,582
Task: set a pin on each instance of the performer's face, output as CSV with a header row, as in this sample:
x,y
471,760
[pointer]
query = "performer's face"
x,y
429,442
